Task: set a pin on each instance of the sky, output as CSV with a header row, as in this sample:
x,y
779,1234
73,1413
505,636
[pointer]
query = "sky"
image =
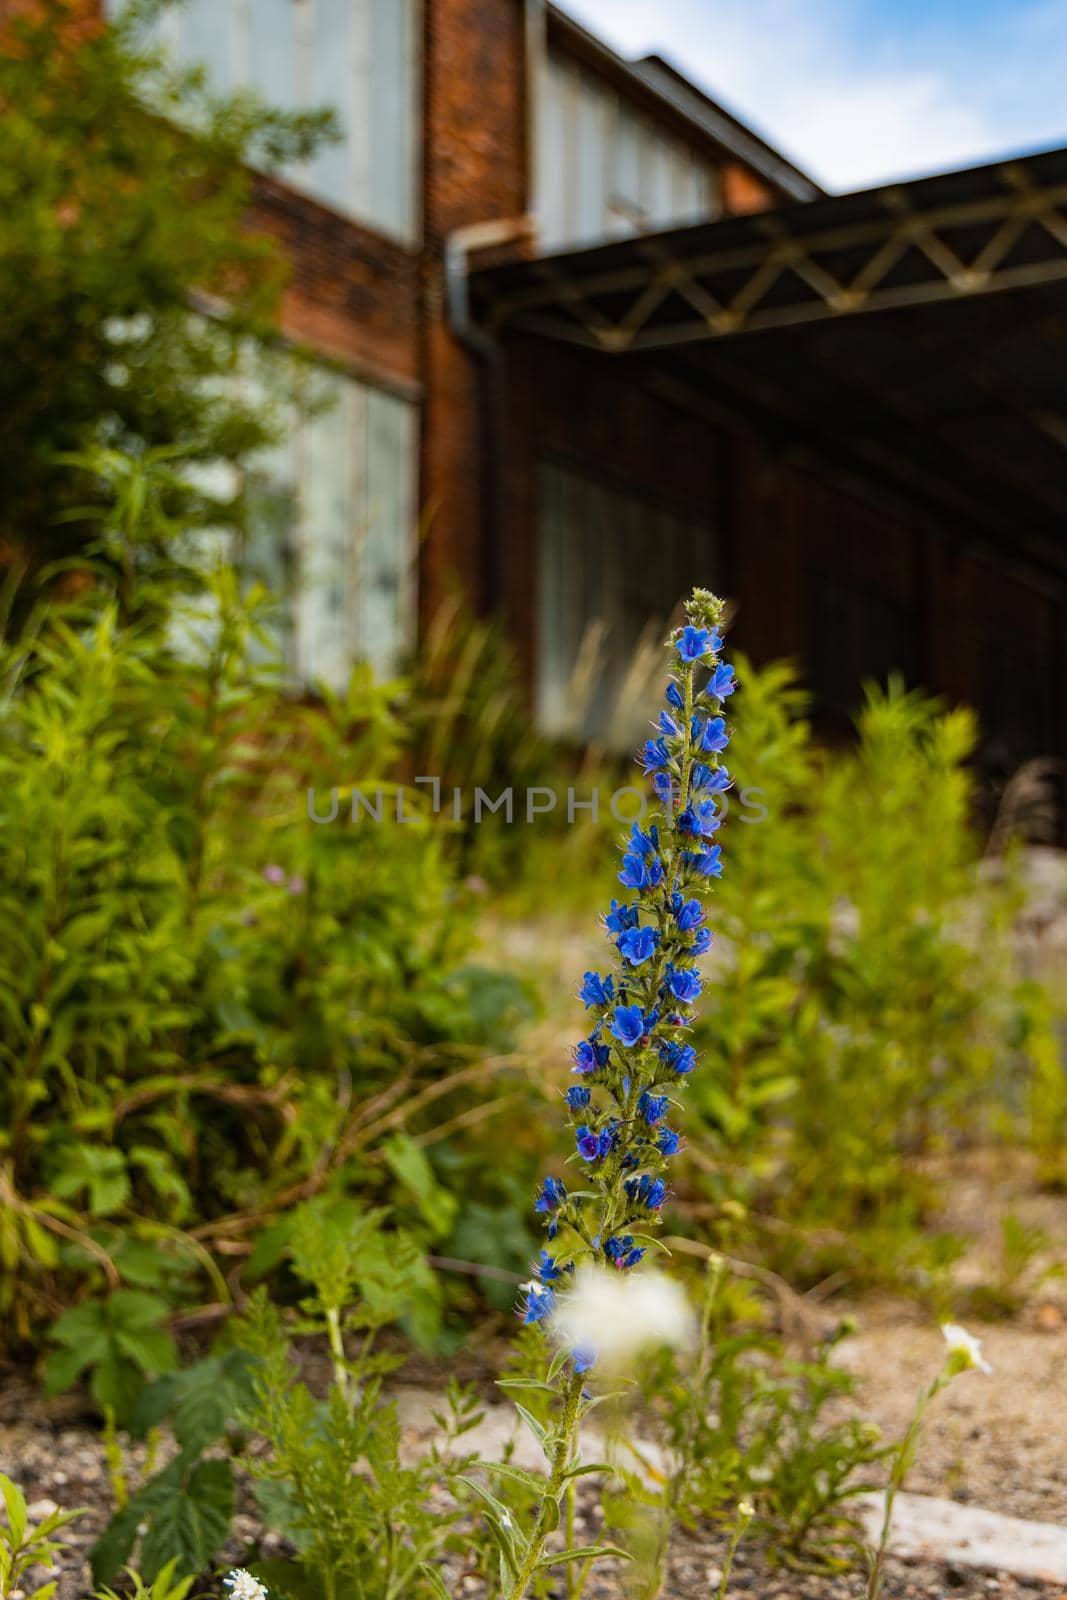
x,y
858,92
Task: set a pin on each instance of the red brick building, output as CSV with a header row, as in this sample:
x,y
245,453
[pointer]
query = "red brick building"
x,y
600,341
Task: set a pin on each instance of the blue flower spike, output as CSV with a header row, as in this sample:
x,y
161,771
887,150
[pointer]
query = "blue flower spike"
x,y
635,1060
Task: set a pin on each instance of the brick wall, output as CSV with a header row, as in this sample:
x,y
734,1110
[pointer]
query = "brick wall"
x,y
474,171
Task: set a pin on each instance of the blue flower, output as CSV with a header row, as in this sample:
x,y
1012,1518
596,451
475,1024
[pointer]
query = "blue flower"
x,y
583,1359
675,696
707,863
694,643
654,754
578,1097
684,983
715,780
643,844
714,737
638,944
668,1142
622,1252
653,1107
621,917
597,991
594,1145
709,818
551,1196
587,1142
668,725
589,1056
721,683
663,784
702,942
681,1058
549,1270
689,915
636,874
630,1024
646,1191
540,1303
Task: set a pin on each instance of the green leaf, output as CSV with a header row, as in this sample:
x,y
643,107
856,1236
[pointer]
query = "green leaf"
x,y
585,1552
193,1524
15,1506
435,1580
410,1166
114,1547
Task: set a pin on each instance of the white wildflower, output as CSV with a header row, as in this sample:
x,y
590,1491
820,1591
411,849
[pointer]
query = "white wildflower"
x,y
243,1586
615,1315
964,1344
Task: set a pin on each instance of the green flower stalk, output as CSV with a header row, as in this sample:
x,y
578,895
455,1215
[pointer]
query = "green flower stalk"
x,y
631,1067
964,1354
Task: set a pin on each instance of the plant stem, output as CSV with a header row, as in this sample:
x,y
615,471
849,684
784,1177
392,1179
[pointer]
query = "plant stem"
x,y
560,1459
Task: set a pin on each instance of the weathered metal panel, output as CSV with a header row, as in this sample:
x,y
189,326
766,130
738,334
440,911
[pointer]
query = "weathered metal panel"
x,y
389,535
606,168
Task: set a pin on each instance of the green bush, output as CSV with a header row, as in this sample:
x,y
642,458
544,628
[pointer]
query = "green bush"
x,y
867,1012
211,1007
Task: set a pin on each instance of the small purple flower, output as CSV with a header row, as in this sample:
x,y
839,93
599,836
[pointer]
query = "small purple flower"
x,y
583,1359
694,643
578,1097
275,875
638,945
653,1107
653,755
587,1142
594,1145
629,1025
721,683
684,983
590,1056
597,991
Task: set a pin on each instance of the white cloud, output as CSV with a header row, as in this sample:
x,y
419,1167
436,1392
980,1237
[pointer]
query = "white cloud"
x,y
856,92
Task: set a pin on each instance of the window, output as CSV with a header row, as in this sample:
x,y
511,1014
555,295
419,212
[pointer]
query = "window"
x,y
607,170
357,56
612,570
333,527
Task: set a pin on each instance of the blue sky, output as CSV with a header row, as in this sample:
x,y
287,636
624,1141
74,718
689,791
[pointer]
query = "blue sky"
x,y
859,91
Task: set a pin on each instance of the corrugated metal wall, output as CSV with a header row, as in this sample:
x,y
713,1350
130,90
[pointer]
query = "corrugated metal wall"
x,y
336,537
605,169
612,568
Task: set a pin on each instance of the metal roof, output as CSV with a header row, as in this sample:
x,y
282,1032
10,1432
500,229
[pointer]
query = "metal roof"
x,y
912,336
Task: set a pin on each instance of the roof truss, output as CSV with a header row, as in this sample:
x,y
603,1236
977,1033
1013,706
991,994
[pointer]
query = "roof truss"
x,y
902,246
